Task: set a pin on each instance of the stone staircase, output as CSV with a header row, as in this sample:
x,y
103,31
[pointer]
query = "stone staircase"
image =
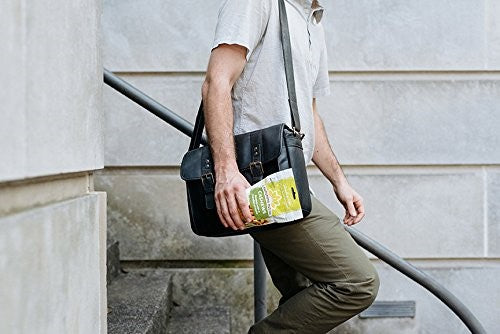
x,y
213,320
140,302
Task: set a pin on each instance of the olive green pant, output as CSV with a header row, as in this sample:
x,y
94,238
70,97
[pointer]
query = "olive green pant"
x,y
324,277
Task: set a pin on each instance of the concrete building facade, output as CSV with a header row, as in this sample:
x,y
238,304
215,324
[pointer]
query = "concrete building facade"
x,y
413,118
52,222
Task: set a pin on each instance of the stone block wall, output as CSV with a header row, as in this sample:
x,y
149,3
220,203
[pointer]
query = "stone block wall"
x,y
413,118
52,222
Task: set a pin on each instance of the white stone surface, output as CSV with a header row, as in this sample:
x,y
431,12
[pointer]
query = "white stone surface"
x,y
406,35
148,215
16,197
12,35
52,121
370,121
362,35
49,259
422,213
493,214
407,122
103,233
160,36
493,34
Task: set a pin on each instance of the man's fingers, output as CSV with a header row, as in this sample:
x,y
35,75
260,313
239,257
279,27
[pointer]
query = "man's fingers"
x,y
225,212
358,204
351,209
347,218
233,211
361,210
244,206
358,218
219,212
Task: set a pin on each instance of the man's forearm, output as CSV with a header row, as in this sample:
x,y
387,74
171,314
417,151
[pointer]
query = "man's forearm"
x,y
323,156
327,162
219,124
224,68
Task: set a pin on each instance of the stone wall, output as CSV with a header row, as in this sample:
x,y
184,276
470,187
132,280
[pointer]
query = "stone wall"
x,y
413,118
52,222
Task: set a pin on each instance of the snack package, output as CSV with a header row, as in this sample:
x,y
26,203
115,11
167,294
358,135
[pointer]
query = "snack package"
x,y
274,199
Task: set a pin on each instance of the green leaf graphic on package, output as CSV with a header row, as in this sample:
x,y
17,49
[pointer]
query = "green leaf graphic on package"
x,y
274,199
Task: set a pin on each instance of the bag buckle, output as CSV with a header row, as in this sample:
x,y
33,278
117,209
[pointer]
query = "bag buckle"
x,y
208,177
257,166
295,132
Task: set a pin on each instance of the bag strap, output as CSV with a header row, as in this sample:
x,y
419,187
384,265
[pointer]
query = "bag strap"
x,y
290,82
287,56
198,129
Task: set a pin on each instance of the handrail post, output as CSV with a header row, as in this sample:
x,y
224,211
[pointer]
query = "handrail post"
x,y
259,283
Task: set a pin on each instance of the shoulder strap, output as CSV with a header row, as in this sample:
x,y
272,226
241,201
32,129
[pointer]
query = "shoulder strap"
x,y
287,56
290,82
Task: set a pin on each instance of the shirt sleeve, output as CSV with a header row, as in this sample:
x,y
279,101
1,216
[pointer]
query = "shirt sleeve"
x,y
322,83
242,22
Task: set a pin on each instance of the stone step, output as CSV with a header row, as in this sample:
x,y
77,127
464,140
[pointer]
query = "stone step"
x,y
200,320
139,302
112,260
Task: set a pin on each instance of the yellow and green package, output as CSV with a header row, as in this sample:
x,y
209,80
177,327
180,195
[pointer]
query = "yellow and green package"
x,y
274,199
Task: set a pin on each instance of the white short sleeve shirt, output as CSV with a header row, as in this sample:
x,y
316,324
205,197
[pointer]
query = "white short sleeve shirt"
x,y
260,97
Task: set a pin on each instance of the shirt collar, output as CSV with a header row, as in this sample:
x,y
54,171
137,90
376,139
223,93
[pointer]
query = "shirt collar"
x,y
309,8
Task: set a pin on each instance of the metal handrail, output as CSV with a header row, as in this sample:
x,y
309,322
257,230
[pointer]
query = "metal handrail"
x,y
377,249
422,278
150,104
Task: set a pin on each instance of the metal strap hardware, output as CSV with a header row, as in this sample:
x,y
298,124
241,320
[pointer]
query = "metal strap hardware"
x,y
295,132
256,168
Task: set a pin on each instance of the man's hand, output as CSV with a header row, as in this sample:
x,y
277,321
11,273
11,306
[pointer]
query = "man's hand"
x,y
352,202
230,198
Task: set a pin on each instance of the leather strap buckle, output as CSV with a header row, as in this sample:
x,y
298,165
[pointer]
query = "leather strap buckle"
x,y
257,167
208,177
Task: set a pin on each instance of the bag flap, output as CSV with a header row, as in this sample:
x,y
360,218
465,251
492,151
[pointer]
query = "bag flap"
x,y
270,138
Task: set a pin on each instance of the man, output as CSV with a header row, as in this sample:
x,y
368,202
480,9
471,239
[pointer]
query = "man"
x,y
323,275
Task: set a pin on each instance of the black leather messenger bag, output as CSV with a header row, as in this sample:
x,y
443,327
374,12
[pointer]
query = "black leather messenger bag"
x,y
258,154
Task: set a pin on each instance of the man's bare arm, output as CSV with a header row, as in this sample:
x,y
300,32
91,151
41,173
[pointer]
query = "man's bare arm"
x,y
326,161
323,156
225,66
